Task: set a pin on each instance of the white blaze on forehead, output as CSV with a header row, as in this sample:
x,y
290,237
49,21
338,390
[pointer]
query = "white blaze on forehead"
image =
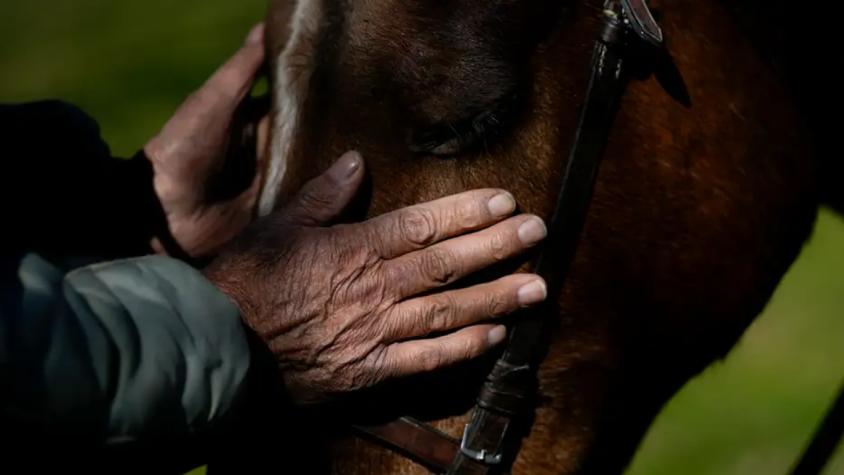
x,y
293,75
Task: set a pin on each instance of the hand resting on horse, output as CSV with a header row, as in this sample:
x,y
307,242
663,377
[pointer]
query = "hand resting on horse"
x,y
190,153
339,306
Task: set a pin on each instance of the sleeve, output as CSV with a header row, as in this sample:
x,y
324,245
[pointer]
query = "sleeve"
x,y
56,163
119,351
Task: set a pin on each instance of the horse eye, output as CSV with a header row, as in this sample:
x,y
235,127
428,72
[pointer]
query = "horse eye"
x,y
479,128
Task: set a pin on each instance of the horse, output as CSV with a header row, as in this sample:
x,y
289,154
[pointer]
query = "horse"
x,y
707,191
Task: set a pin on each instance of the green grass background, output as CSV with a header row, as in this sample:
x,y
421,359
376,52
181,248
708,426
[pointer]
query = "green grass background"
x,y
129,64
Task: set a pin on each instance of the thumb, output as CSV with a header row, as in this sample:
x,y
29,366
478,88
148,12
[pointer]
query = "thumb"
x,y
234,79
207,113
324,198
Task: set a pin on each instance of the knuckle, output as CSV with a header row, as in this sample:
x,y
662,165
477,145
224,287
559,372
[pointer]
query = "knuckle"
x,y
440,315
374,289
498,305
388,326
418,226
469,349
498,246
379,366
385,365
432,358
438,266
470,213
315,197
393,278
367,241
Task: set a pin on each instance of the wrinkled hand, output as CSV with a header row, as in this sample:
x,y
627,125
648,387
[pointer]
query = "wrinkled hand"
x,y
190,154
342,308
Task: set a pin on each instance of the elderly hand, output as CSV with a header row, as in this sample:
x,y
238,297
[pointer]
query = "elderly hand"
x,y
346,307
192,154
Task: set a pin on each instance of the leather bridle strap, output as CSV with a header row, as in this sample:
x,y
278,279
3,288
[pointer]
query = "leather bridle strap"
x,y
502,415
416,441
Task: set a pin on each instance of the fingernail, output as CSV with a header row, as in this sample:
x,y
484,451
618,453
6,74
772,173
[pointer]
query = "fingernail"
x,y
532,231
256,35
497,335
502,204
532,293
346,166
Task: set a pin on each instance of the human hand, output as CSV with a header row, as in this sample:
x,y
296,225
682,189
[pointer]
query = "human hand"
x,y
345,307
199,152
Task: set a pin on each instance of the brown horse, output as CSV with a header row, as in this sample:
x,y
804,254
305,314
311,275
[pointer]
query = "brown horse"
x,y
703,200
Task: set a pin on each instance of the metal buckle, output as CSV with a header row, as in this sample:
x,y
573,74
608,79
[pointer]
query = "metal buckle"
x,y
478,455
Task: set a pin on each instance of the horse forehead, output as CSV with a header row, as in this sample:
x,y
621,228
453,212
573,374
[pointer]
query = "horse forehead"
x,y
388,24
293,34
409,45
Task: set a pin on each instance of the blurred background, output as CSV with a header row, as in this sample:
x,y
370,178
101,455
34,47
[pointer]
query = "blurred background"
x,y
130,64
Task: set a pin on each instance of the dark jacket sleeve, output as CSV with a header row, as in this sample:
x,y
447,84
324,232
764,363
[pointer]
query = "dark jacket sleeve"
x,y
63,190
119,351
113,352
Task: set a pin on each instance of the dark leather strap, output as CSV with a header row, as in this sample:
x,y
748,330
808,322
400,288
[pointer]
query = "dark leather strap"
x,y
502,414
417,441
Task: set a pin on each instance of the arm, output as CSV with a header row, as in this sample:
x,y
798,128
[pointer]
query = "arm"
x,y
119,351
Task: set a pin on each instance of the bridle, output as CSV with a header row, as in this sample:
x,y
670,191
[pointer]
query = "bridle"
x,y
503,412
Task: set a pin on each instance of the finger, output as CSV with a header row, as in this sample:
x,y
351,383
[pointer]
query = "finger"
x,y
157,247
459,308
262,139
456,258
324,198
233,80
420,356
406,230
209,111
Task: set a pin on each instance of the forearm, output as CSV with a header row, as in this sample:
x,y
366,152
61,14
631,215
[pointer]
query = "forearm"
x,y
124,350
